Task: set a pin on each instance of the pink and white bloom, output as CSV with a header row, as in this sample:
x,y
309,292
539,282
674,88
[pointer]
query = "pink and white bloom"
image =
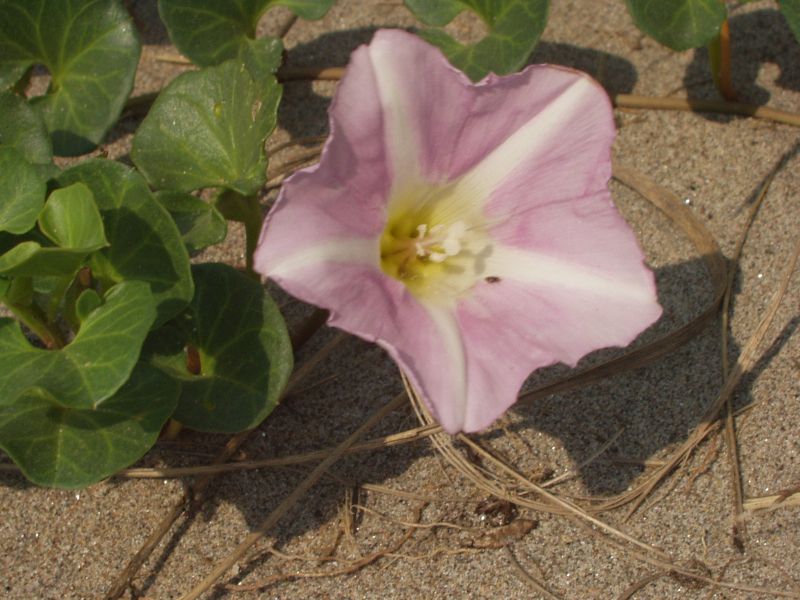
x,y
466,228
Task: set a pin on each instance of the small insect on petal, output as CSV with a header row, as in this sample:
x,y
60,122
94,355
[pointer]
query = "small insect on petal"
x,y
431,187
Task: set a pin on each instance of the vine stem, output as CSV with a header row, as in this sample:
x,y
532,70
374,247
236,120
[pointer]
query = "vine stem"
x,y
34,320
719,53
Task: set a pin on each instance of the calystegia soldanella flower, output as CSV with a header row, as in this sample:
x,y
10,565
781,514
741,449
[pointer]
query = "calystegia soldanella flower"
x,y
466,228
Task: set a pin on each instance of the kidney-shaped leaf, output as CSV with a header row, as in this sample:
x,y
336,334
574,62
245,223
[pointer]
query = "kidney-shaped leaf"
x,y
145,245
23,129
244,353
679,24
791,10
71,220
31,259
209,32
514,28
90,48
94,365
74,447
22,191
200,223
207,129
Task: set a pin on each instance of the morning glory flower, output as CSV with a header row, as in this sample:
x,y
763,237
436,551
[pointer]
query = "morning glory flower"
x,y
466,228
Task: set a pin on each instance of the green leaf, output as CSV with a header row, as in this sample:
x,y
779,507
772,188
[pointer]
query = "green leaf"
x,y
31,259
90,48
200,223
244,349
207,129
679,24
145,245
791,10
87,302
209,32
94,365
514,28
22,192
23,129
75,447
70,219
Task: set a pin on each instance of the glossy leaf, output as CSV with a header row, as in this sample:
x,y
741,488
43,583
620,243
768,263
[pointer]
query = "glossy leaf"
x,y
31,259
94,365
679,24
22,192
70,219
244,352
209,32
200,223
87,302
145,245
207,129
514,29
23,129
791,10
75,447
90,48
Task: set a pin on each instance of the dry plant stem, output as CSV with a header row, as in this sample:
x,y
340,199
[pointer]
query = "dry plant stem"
x,y
738,528
619,539
404,437
772,502
638,585
286,74
528,578
354,566
745,362
574,472
122,581
222,567
707,106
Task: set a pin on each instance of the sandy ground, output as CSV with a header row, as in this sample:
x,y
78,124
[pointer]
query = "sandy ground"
x,y
72,544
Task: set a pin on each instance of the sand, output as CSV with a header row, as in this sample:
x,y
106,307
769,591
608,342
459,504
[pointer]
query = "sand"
x,y
72,544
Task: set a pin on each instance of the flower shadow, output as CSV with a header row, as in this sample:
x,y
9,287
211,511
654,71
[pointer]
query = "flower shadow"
x,y
656,407
758,39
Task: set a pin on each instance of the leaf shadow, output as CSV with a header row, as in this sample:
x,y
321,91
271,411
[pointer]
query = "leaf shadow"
x,y
303,111
758,38
615,73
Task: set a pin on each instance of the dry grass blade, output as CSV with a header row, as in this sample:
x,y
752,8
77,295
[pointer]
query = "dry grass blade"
x,y
786,498
122,581
395,439
222,567
706,106
528,578
287,74
505,488
352,566
745,362
738,531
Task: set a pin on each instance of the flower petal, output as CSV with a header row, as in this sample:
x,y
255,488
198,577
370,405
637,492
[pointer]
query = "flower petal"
x,y
570,286
524,160
424,341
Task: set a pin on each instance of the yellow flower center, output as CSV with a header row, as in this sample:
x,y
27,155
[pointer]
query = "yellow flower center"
x,y
431,244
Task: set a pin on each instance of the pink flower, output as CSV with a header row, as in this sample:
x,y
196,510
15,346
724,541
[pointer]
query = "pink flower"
x,y
466,228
